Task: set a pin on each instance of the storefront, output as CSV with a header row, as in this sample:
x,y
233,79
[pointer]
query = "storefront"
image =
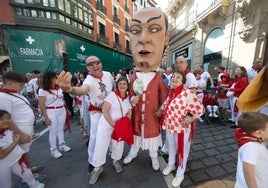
x,y
29,50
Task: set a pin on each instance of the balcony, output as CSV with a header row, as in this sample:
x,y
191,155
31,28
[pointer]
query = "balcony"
x,y
116,19
117,46
103,40
101,8
127,9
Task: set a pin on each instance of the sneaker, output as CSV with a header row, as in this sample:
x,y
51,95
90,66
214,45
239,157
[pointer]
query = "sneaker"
x,y
215,115
160,152
118,168
176,182
129,158
95,175
168,169
234,126
36,169
37,177
63,147
37,184
40,177
155,164
200,120
55,153
210,115
90,168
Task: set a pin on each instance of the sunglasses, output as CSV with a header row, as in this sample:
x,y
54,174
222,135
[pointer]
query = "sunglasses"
x,y
90,64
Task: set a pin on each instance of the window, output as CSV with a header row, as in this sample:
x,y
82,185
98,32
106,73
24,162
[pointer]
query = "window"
x,y
61,4
48,15
33,1
127,44
54,16
19,1
41,14
116,38
61,18
67,7
80,14
115,11
68,21
101,29
34,13
19,11
26,12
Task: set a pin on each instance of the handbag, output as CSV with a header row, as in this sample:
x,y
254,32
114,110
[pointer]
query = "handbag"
x,y
123,130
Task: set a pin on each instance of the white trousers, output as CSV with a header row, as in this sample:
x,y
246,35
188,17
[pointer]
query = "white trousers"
x,y
213,108
103,140
5,175
173,147
56,129
134,149
94,120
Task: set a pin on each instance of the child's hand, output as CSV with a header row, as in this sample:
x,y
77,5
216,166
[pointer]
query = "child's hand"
x,y
135,100
129,113
24,138
47,121
16,138
158,113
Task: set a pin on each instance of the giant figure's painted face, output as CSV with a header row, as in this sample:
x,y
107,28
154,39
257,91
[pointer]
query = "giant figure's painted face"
x,y
148,36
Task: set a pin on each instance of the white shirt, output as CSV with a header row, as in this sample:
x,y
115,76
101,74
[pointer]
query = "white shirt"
x,y
99,89
252,73
205,76
21,113
257,155
13,157
191,81
53,98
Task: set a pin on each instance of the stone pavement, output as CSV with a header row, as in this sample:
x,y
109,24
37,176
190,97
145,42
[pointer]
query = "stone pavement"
x,y
212,162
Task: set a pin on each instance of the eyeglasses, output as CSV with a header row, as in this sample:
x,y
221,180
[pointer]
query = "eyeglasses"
x,y
90,64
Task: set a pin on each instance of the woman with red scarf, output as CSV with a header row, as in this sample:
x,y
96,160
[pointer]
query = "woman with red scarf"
x,y
240,84
54,112
179,110
116,105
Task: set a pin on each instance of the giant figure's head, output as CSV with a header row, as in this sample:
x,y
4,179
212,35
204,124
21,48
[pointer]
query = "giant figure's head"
x,y
148,36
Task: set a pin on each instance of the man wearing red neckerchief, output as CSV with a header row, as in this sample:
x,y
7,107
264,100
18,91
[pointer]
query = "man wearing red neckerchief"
x,y
97,85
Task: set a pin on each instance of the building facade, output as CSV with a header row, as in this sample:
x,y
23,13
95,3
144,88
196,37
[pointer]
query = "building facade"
x,y
49,34
217,33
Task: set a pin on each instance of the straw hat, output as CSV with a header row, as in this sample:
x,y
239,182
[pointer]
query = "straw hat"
x,y
255,96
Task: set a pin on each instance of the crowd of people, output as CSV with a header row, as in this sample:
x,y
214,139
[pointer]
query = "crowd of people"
x,y
149,100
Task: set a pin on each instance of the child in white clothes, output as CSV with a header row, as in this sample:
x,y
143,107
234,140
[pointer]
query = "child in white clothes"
x,y
252,164
11,159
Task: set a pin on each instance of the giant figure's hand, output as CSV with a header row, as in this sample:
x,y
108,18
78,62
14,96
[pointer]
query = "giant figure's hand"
x,y
64,81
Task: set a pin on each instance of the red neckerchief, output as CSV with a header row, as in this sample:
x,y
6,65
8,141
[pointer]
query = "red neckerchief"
x,y
171,95
56,87
2,132
5,90
243,138
186,71
95,76
117,92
